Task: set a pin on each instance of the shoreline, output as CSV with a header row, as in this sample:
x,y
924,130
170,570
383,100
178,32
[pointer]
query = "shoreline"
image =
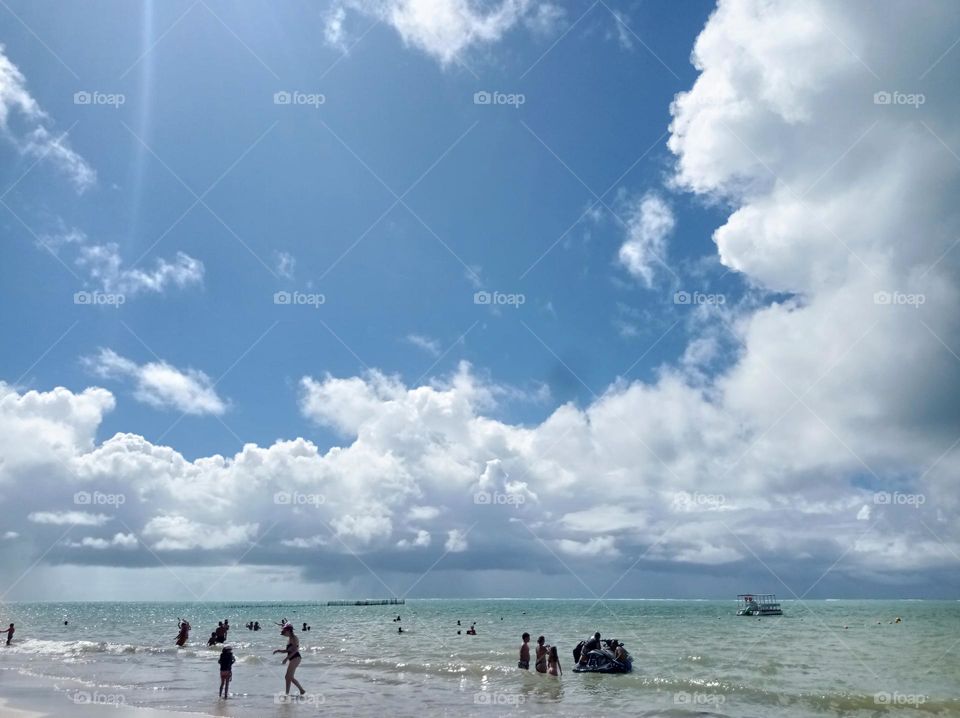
x,y
40,708
25,696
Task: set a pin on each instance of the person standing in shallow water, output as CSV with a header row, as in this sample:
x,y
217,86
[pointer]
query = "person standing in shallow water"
x,y
524,661
553,663
184,633
226,662
541,655
293,657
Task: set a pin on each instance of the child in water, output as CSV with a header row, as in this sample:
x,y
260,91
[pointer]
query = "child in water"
x,y
553,663
226,661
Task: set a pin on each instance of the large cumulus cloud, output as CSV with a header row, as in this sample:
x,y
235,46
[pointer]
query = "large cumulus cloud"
x,y
844,386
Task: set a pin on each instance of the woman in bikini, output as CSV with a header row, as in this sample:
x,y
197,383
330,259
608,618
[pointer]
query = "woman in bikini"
x,y
293,657
541,655
553,663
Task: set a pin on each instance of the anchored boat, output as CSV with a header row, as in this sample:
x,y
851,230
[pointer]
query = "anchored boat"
x,y
758,604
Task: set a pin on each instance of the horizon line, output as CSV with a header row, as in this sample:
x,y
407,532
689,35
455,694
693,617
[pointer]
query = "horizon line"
x,y
322,602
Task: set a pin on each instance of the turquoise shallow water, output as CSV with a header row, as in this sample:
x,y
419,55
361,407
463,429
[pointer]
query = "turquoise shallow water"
x,y
691,658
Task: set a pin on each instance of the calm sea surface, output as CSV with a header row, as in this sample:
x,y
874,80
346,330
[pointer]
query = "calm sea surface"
x,y
691,658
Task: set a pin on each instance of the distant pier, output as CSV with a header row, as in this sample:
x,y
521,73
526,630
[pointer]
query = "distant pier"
x,y
369,602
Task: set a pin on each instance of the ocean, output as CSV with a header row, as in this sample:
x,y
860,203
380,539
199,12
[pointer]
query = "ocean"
x,y
690,658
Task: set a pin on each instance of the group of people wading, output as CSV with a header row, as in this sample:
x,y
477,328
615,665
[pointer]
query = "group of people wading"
x,y
226,659
547,658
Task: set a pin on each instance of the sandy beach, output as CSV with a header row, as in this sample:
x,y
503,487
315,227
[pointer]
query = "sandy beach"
x,y
38,709
26,696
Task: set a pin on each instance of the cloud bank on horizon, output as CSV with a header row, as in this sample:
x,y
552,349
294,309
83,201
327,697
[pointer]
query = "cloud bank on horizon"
x,y
826,445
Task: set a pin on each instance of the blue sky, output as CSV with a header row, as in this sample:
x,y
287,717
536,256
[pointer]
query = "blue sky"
x,y
499,199
721,355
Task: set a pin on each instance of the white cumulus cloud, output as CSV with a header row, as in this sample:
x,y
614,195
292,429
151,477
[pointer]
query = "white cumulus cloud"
x,y
456,541
119,540
161,385
830,395
178,533
68,518
596,546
